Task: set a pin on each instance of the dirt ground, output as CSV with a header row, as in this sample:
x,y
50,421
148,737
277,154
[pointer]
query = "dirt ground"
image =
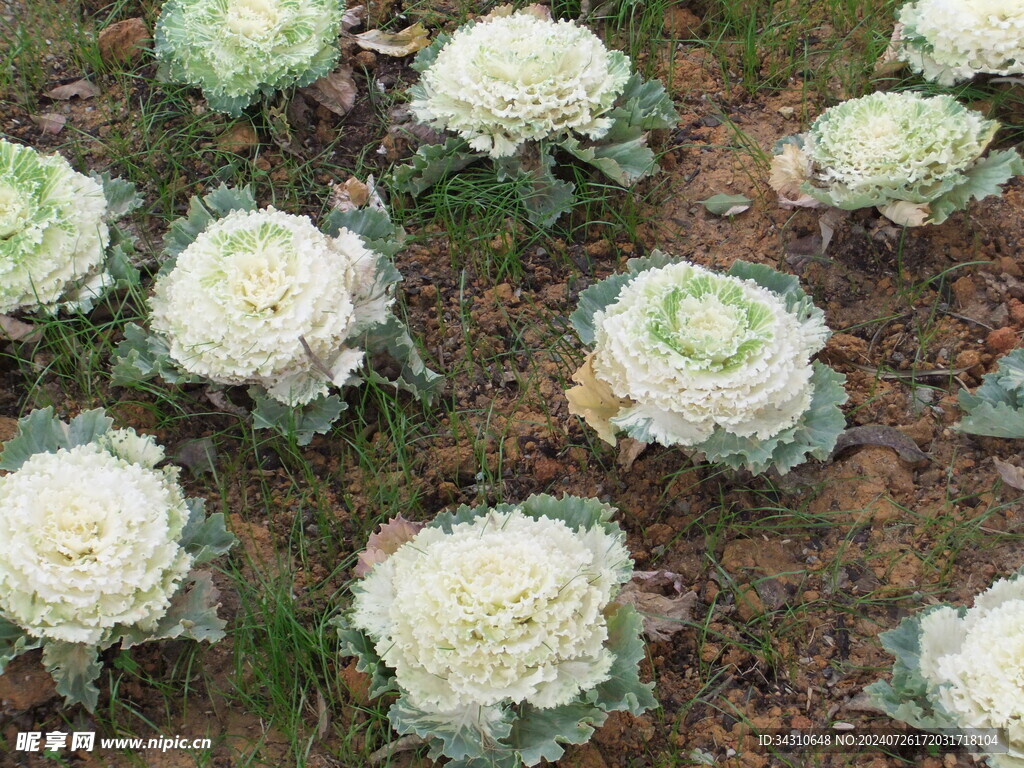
x,y
793,577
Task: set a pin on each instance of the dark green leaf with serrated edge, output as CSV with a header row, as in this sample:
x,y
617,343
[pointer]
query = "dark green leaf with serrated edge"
x,y
906,698
201,211
314,418
356,643
122,197
14,642
392,337
426,56
600,295
373,225
814,434
624,162
986,177
538,734
142,356
623,689
471,732
645,104
42,432
996,408
544,197
205,538
431,163
575,511
193,611
74,667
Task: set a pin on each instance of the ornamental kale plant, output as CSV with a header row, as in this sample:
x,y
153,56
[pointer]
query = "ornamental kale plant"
x,y
717,363
263,298
961,668
58,249
516,87
996,408
98,547
497,629
949,41
239,50
916,158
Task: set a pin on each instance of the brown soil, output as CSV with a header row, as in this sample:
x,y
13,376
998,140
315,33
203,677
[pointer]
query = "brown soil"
x,y
795,577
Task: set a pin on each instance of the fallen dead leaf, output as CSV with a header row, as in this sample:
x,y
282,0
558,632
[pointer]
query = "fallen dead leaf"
x,y
239,138
353,17
335,91
392,535
663,616
629,452
880,434
350,195
594,401
83,89
403,43
16,330
120,42
1012,475
49,122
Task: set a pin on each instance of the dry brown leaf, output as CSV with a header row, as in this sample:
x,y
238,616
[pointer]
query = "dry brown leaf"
x,y
629,452
335,91
880,434
594,401
889,63
663,616
403,43
349,195
50,122
1012,475
83,89
239,138
392,535
353,17
121,42
16,330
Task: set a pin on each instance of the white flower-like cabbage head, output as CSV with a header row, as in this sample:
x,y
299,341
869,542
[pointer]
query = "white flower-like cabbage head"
x,y
509,80
953,40
234,48
691,351
263,297
506,608
52,231
89,540
975,664
916,158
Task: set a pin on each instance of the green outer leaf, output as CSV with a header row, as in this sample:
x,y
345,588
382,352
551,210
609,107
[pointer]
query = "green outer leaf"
x,y
431,163
544,196
201,211
600,295
74,667
14,642
907,697
205,538
474,732
356,643
623,689
314,418
122,197
644,104
721,204
142,356
392,337
425,57
986,177
42,432
996,408
815,433
373,225
624,162
538,734
193,612
575,511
